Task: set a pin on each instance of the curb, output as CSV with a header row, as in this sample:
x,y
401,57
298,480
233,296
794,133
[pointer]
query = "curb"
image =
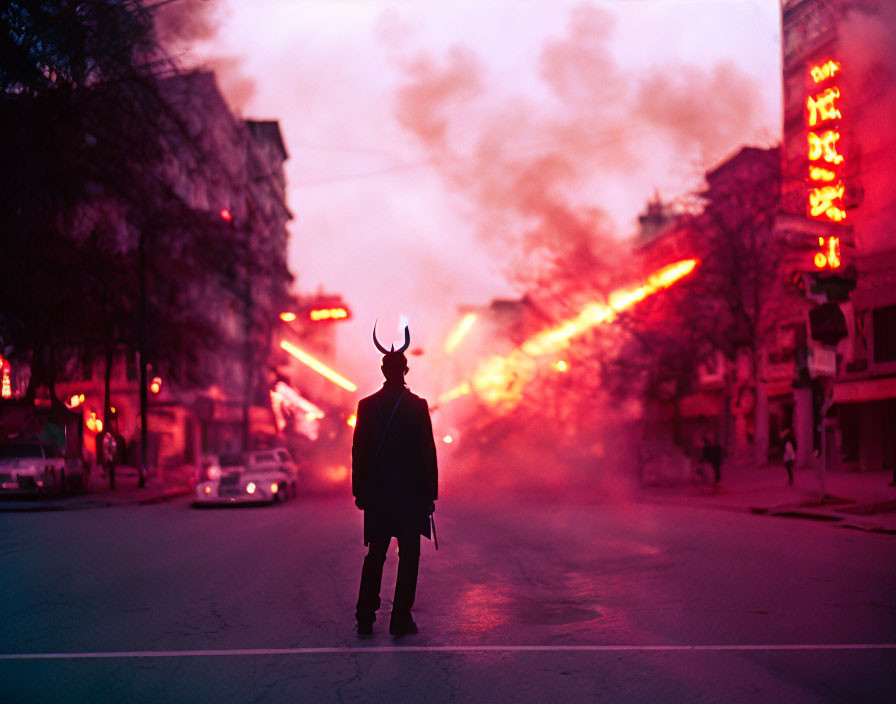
x,y
166,496
87,501
842,517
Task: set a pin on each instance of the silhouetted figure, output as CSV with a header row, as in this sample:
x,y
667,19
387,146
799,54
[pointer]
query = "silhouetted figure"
x,y
789,455
110,456
395,483
711,453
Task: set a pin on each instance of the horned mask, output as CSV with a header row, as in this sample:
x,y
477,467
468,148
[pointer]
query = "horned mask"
x,y
392,357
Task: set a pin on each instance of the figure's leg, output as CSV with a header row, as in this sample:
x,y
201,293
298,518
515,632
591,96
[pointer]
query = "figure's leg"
x,y
371,578
405,583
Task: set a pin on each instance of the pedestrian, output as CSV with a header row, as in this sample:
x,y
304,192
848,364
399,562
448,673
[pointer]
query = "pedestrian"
x,y
789,455
109,454
711,453
395,484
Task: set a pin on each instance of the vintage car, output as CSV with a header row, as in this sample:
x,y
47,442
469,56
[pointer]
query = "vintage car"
x,y
31,467
261,476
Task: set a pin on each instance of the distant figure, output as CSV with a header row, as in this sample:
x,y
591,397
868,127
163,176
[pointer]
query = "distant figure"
x,y
711,453
395,483
110,456
789,455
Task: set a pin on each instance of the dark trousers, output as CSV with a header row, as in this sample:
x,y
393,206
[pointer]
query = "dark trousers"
x,y
405,583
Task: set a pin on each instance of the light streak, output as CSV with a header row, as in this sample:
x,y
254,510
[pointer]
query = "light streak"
x,y
500,380
317,366
461,389
287,317
455,338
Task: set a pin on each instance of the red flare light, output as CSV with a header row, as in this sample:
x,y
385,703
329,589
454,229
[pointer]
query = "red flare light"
x,y
500,380
317,366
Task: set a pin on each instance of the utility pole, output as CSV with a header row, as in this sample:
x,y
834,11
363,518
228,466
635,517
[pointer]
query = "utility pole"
x,y
144,401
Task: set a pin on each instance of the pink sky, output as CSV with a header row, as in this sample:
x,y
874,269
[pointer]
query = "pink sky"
x,y
429,140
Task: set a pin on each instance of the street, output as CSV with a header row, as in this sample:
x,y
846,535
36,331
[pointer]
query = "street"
x,y
524,600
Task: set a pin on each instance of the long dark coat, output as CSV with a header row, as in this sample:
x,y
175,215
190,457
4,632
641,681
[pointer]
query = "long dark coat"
x,y
396,488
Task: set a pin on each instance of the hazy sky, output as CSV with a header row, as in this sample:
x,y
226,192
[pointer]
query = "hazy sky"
x,y
433,144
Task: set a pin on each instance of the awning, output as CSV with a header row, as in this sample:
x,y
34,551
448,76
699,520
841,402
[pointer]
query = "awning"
x,y
863,390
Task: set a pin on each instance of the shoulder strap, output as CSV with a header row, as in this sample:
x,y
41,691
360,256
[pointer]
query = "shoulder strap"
x,y
386,431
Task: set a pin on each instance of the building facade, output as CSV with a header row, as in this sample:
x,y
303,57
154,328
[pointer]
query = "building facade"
x,y
232,170
838,215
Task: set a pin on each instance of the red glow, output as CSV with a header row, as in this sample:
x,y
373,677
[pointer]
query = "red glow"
x,y
821,202
317,366
225,215
499,381
328,314
460,332
822,108
5,382
826,193
824,146
824,71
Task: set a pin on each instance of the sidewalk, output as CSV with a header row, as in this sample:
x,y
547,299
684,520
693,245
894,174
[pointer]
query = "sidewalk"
x,y
862,500
173,483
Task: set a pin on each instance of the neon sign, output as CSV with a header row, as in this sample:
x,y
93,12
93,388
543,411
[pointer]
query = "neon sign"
x,y
328,314
826,187
5,382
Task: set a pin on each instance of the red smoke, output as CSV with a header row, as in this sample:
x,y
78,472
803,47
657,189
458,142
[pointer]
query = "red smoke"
x,y
540,175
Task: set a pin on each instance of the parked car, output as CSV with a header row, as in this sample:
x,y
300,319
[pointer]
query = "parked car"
x,y
31,467
262,476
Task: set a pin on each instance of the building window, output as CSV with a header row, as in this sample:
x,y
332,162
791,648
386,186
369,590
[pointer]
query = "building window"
x,y
884,322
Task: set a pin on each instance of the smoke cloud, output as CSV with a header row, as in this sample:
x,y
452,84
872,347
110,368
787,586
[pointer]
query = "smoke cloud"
x,y
186,21
540,176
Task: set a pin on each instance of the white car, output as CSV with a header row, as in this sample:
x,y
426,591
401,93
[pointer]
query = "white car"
x,y
262,476
30,468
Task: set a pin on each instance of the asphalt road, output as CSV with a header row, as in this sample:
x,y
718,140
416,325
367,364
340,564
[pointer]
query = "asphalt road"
x,y
525,601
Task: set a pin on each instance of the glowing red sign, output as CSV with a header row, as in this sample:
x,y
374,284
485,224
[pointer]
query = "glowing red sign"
x,y
5,382
825,160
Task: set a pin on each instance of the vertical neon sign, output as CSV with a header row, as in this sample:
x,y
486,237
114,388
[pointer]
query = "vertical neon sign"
x,y
826,187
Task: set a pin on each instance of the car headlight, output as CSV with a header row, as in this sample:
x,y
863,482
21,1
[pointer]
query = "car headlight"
x,y
250,488
274,488
208,490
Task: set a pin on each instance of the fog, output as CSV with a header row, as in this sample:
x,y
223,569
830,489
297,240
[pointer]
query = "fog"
x,y
444,155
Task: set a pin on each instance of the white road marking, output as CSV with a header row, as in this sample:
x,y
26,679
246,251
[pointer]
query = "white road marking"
x,y
440,649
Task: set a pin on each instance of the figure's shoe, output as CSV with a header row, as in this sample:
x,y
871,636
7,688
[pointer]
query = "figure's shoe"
x,y
403,628
365,629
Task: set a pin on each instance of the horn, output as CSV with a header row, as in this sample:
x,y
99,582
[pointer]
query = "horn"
x,y
407,339
376,342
